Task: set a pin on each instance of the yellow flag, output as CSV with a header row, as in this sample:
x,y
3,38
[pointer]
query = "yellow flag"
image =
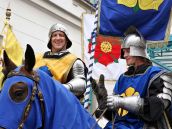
x,y
1,77
1,38
12,45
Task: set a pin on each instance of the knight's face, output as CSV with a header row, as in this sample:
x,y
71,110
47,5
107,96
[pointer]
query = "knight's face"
x,y
58,41
130,60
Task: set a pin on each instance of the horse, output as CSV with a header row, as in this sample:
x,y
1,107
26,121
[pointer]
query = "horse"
x,y
31,99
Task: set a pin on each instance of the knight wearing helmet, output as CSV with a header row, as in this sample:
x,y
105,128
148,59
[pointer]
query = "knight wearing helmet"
x,y
61,64
142,95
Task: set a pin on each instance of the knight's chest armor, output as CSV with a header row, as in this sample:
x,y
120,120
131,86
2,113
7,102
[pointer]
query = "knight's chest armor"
x,y
129,85
59,67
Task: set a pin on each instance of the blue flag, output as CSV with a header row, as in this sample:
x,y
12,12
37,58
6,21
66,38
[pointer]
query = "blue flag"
x,y
149,17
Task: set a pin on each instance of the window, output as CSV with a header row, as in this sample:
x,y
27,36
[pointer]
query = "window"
x,y
92,2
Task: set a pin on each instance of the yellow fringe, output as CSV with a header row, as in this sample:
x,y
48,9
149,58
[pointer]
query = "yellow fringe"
x,y
162,43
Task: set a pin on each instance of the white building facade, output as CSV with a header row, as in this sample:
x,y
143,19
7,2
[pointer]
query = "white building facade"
x,y
31,20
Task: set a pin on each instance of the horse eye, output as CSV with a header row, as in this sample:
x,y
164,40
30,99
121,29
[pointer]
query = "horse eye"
x,y
18,92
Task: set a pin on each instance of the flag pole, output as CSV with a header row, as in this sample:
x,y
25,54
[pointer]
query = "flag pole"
x,y
6,23
8,16
2,43
8,12
88,93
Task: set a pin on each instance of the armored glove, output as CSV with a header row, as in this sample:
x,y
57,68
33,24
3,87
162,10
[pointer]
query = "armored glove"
x,y
131,103
113,101
100,91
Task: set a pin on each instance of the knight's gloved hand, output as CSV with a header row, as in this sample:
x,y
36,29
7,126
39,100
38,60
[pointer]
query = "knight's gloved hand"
x,y
113,101
100,91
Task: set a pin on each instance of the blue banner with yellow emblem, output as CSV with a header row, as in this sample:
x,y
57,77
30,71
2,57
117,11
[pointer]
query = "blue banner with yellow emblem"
x,y
150,17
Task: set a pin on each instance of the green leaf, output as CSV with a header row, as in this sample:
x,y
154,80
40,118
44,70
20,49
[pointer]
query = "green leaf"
x,y
136,8
116,61
95,60
89,40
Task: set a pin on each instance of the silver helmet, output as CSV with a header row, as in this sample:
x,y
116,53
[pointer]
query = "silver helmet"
x,y
134,40
58,27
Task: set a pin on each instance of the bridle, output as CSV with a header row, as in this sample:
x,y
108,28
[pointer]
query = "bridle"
x,y
35,92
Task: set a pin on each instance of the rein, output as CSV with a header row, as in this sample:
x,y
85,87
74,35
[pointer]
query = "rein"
x,y
103,112
35,91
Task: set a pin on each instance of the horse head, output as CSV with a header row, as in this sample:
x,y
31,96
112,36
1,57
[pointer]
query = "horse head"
x,y
31,99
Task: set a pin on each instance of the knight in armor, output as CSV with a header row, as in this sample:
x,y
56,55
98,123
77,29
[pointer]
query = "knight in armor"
x,y
62,65
142,95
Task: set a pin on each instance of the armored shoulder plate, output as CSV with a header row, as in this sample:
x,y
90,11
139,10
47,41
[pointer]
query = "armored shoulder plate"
x,y
167,90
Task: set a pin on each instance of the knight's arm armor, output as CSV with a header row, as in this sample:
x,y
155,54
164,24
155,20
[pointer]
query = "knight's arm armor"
x,y
131,103
166,95
77,82
151,107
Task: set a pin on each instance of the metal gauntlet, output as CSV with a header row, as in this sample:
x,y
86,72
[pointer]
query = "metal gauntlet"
x,y
131,103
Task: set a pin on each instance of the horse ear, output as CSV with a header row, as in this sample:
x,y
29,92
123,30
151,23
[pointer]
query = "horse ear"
x,y
29,58
8,64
